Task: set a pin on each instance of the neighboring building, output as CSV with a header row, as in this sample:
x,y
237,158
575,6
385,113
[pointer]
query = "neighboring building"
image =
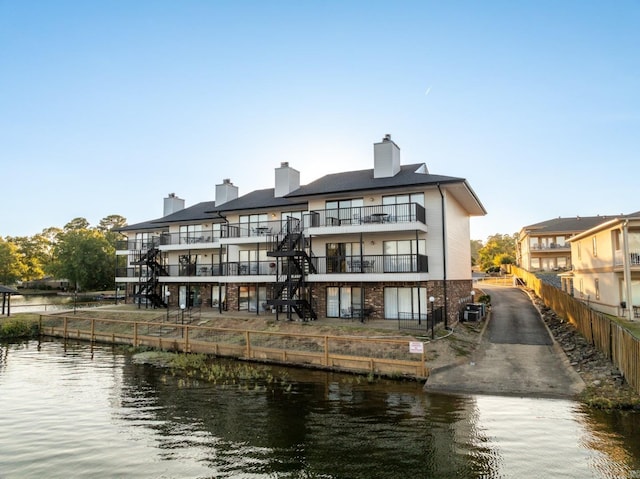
x,y
376,242
606,266
544,247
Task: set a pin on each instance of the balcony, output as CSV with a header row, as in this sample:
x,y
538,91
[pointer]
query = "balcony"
x,y
366,264
634,259
135,245
189,239
550,247
369,215
401,263
204,238
231,268
252,230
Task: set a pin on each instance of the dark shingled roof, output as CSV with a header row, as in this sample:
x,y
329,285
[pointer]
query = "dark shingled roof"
x,y
258,199
363,180
197,212
360,180
573,224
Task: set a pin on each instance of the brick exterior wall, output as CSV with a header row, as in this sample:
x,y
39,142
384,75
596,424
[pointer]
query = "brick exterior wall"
x,y
459,293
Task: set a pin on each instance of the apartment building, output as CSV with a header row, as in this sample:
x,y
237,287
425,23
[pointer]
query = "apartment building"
x,y
606,265
544,246
388,242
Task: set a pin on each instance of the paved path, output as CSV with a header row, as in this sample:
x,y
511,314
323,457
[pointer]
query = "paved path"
x,y
516,356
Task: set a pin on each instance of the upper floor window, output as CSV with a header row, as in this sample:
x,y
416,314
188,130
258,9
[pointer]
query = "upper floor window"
x,y
616,240
579,249
295,216
344,209
534,242
189,233
403,199
594,242
344,204
256,219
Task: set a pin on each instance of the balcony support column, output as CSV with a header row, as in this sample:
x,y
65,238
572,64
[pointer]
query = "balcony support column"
x,y
627,269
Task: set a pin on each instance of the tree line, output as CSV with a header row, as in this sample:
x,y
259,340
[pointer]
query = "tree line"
x,y
79,253
500,249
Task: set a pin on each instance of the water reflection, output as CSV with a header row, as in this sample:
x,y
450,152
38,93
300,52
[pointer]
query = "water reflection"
x,y
78,411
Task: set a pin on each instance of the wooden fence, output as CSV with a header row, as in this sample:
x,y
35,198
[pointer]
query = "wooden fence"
x,y
385,357
612,339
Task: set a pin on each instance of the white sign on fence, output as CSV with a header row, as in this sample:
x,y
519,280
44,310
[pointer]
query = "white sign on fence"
x,y
416,347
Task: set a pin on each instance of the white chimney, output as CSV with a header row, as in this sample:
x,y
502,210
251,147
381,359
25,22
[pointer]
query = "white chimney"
x,y
172,204
226,192
386,158
287,180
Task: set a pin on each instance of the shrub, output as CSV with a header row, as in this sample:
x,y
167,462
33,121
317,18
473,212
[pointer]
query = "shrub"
x,y
485,298
18,328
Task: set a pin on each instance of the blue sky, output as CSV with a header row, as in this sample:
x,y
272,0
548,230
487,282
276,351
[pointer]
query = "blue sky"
x,y
108,106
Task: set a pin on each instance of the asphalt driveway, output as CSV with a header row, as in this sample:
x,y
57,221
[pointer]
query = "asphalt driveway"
x,y
516,355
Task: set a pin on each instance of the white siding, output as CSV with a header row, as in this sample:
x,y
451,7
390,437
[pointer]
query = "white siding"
x,y
458,241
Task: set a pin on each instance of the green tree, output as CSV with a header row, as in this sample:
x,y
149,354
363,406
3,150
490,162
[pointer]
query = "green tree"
x,y
498,250
77,224
475,247
12,267
85,258
36,255
108,226
111,222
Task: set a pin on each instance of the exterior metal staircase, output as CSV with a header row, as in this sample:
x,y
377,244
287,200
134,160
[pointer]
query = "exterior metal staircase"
x,y
148,284
291,292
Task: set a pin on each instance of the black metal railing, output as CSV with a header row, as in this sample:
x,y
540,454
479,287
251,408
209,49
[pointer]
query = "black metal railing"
x,y
257,229
420,321
401,213
191,238
400,263
136,245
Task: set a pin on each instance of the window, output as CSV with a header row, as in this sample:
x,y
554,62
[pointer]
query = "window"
x,y
581,288
405,303
249,224
345,211
344,302
535,263
285,215
560,242
594,242
190,233
579,250
218,295
252,262
616,240
342,257
143,240
562,262
404,199
597,287
187,265
534,242
252,297
400,255
400,207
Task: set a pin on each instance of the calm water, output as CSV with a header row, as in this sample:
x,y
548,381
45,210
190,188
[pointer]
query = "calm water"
x,y
72,410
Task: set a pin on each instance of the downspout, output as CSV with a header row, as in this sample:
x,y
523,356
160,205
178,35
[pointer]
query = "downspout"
x,y
444,257
627,268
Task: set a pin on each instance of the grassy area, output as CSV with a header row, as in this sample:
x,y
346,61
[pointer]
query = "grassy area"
x,y
632,326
